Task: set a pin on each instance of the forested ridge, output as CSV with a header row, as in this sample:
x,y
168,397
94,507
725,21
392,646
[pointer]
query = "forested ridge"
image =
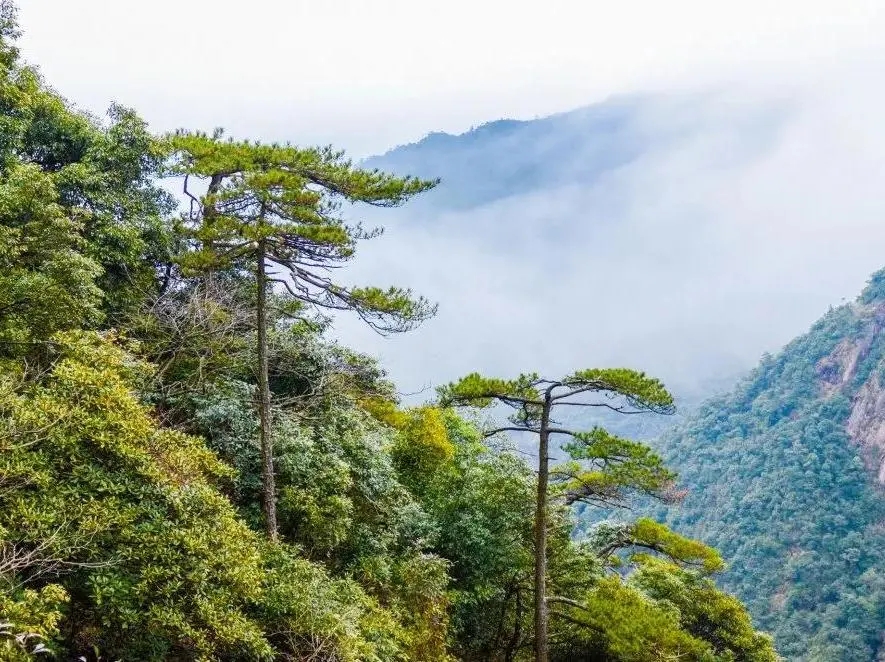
x,y
785,476
191,468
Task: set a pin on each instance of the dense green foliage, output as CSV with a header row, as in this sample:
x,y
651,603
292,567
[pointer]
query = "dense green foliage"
x,y
271,214
781,477
131,473
80,212
159,565
605,470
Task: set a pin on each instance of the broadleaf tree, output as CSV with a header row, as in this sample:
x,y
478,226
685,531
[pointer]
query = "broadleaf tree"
x,y
606,468
274,213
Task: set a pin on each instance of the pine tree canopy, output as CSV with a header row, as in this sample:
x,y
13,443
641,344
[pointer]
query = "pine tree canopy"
x,y
289,202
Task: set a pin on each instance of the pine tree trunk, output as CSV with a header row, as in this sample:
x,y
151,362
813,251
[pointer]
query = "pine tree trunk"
x,y
541,653
267,470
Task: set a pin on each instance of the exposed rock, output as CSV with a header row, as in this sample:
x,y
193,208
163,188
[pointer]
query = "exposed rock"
x,y
839,368
866,425
779,599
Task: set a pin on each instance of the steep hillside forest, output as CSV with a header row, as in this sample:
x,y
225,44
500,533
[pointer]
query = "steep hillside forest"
x,y
786,476
192,468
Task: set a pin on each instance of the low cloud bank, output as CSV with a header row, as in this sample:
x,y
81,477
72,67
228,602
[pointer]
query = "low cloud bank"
x,y
737,217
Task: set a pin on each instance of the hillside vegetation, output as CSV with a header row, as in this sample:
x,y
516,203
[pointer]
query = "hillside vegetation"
x,y
785,476
191,468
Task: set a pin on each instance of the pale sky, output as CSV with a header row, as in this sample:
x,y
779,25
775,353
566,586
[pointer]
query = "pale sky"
x,y
368,75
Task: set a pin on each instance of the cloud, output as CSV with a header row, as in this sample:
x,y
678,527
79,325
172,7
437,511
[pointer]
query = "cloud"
x,y
367,75
755,209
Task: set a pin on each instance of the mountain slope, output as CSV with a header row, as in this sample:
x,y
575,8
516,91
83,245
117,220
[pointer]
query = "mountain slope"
x,y
786,477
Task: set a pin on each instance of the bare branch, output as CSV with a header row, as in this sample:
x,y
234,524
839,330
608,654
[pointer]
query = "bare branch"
x,y
509,428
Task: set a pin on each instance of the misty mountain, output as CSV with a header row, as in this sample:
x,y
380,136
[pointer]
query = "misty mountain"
x,y
683,234
510,158
786,476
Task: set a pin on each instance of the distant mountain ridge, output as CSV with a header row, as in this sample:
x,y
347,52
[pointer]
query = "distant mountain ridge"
x,y
503,157
507,157
787,478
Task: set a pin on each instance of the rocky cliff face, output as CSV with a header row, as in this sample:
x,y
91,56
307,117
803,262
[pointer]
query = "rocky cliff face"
x,y
838,373
866,426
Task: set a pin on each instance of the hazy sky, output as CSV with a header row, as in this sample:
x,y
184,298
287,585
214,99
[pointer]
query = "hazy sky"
x,y
706,262
368,75
723,240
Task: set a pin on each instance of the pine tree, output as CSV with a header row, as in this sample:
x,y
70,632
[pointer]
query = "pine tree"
x,y
273,213
606,467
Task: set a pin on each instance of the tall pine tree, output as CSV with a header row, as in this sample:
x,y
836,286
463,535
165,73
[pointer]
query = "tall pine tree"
x,y
606,467
273,213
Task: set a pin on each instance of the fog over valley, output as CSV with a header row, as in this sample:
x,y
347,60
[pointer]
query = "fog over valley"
x,y
683,233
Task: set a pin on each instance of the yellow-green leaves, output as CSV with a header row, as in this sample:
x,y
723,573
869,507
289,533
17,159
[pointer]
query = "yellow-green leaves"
x,y
617,622
29,622
658,537
422,447
385,411
608,468
705,612
635,389
162,564
387,310
659,604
